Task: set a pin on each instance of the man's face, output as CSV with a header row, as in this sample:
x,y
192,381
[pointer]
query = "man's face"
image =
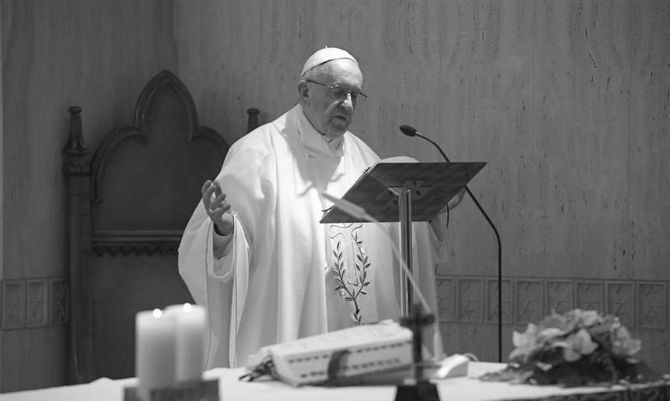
x,y
329,116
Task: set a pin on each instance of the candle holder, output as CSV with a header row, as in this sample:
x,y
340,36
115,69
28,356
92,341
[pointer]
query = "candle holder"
x,y
200,390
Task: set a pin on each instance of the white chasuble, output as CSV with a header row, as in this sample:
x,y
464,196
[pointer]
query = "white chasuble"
x,y
287,276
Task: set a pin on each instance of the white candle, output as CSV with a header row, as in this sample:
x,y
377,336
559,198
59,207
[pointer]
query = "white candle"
x,y
155,341
191,337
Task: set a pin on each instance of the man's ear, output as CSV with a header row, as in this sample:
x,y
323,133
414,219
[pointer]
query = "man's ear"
x,y
303,91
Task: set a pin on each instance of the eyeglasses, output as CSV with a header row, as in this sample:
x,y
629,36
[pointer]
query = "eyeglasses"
x,y
339,92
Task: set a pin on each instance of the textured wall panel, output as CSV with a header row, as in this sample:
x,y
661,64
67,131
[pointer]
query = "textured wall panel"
x,y
37,306
60,307
589,295
13,304
529,301
621,301
492,301
446,302
558,296
471,300
653,305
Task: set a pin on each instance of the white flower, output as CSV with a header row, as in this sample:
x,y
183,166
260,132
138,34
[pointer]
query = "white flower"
x,y
525,343
550,333
576,345
590,317
622,343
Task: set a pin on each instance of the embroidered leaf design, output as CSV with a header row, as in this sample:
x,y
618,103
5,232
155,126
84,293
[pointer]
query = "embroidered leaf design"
x,y
355,286
357,317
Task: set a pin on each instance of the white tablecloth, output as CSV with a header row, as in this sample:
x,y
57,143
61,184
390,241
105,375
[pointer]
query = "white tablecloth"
x,y
231,389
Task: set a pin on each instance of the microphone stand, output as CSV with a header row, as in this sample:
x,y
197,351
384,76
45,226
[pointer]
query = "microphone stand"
x,y
412,132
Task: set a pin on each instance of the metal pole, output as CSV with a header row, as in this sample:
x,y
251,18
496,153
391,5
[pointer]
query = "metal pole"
x,y
405,211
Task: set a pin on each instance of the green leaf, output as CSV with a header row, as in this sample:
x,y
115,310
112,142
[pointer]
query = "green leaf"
x,y
348,299
367,283
364,292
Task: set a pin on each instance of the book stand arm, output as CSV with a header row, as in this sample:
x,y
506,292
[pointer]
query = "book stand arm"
x,y
405,218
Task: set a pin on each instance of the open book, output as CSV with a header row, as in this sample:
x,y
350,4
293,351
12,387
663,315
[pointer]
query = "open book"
x,y
347,353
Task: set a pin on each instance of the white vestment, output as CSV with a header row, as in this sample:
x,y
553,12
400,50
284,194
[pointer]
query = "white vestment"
x,y
287,276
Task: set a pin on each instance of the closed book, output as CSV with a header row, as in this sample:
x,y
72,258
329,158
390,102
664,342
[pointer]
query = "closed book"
x,y
343,354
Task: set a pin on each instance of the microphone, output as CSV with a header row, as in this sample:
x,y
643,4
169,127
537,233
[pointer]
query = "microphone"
x,y
412,132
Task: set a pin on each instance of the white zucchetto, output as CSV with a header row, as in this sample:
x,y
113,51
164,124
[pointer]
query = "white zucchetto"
x,y
323,56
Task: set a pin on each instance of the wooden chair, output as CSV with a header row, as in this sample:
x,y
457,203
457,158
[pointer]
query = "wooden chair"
x,y
127,208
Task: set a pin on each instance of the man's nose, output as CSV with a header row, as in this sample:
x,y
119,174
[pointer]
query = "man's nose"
x,y
348,101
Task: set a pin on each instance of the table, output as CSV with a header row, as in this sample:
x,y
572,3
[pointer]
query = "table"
x,y
230,389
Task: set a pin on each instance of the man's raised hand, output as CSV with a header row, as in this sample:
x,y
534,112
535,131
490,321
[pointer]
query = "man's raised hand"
x,y
214,201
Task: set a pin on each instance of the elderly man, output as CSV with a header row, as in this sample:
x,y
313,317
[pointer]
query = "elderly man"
x,y
254,251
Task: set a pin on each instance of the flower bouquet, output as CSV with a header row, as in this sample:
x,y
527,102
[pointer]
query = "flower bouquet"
x,y
575,348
